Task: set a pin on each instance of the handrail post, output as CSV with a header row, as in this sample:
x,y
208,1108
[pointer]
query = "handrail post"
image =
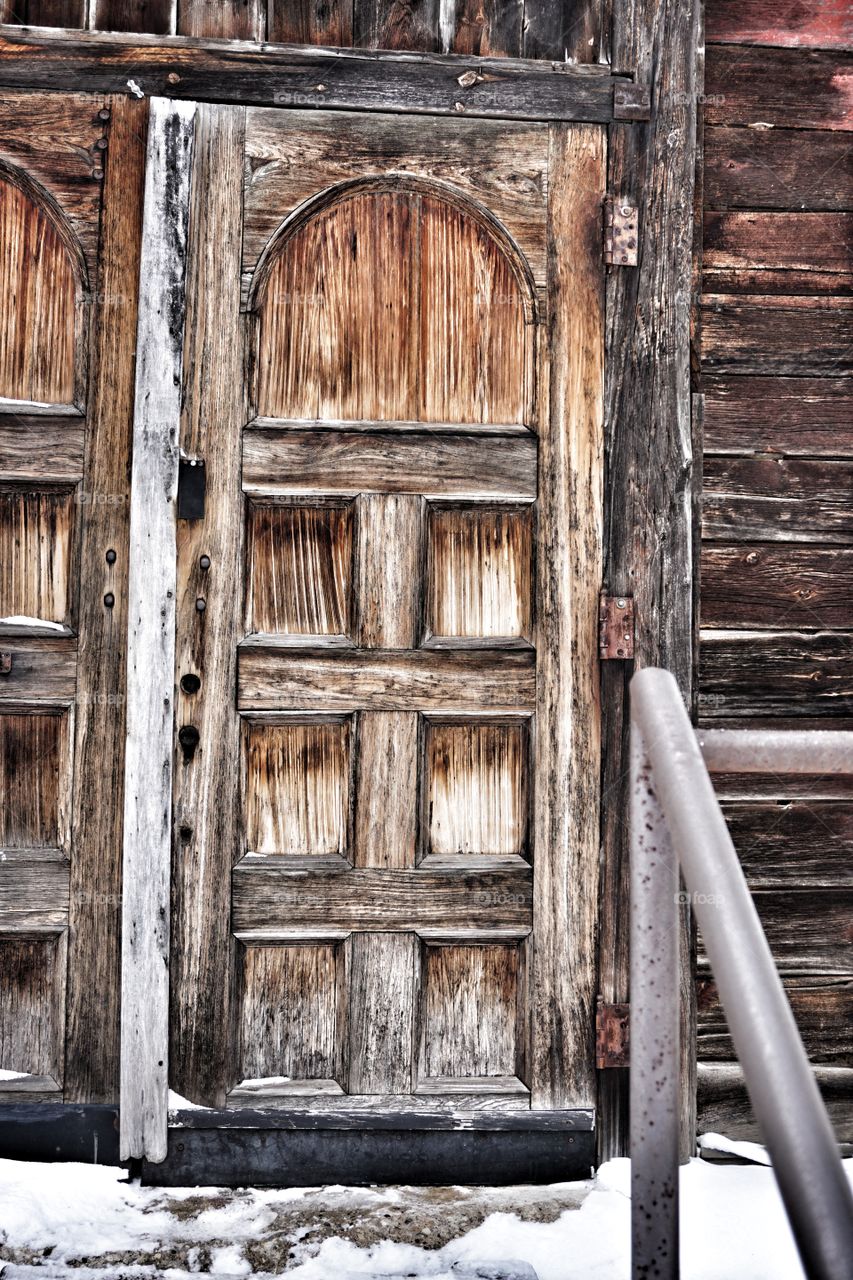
x,y
655,1058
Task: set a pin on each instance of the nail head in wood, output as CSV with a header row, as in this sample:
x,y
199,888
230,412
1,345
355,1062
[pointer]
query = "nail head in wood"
x,y
620,232
5,664
612,1035
615,627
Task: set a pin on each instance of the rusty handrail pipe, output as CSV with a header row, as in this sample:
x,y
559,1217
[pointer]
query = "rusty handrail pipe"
x,y
677,823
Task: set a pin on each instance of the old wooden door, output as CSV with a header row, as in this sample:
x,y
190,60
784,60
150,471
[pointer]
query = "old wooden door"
x,y
385,823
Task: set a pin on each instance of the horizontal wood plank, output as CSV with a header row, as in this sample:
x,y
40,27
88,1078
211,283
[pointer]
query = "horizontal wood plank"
x,y
34,891
723,1103
781,786
350,462
777,169
820,24
823,1008
43,669
793,253
798,416
785,88
805,843
776,587
276,678
771,334
808,929
755,674
307,76
772,499
41,448
271,901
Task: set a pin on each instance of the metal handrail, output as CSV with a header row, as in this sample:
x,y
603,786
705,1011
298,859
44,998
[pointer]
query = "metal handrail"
x,y
676,821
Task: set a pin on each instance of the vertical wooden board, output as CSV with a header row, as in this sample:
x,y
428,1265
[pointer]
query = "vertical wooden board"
x,y
34,779
286,372
386,778
206,795
564,30
289,1012
39,285
155,17
44,13
381,1013
473,337
469,1013
32,1005
231,19
92,1027
146,885
480,570
477,788
36,540
567,744
397,24
324,22
297,788
390,570
299,576
488,28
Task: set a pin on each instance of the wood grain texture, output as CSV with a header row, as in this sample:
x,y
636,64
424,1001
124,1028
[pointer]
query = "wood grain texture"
x,y
822,24
480,573
823,1008
469,1012
34,780
152,585
797,416
38,337
773,499
327,22
477,789
392,304
386,781
33,892
776,168
41,447
390,570
381,1010
787,253
785,88
765,674
723,1102
397,24
776,335
94,944
155,16
36,544
568,576
271,679
488,28
44,13
43,668
272,902
808,930
299,570
570,29
232,19
804,843
297,792
32,1006
776,587
289,1012
206,796
350,462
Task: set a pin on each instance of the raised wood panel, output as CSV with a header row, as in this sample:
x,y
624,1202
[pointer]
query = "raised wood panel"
x,y
382,977
41,446
299,574
469,1012
277,679
776,335
34,891
797,416
392,305
270,901
42,668
477,787
776,587
39,286
297,788
36,538
804,843
820,24
390,569
773,674
480,571
773,499
289,1012
783,88
822,1007
34,780
281,460
386,786
777,169
32,998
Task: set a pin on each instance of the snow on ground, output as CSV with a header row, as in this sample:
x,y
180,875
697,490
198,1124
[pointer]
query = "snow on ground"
x,y
88,1222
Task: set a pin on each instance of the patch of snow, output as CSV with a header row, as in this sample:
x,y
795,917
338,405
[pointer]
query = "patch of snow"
x,y
179,1103
14,1075
745,1150
21,620
229,1261
261,1082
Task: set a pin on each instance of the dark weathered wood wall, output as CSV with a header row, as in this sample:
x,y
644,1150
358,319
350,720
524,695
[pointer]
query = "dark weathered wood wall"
x,y
777,529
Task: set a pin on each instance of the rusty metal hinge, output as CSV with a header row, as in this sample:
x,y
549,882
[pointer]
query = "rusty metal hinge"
x,y
615,627
620,232
612,1035
631,101
5,664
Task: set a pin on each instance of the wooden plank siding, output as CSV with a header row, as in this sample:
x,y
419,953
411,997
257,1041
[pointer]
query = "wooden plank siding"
x,y
777,513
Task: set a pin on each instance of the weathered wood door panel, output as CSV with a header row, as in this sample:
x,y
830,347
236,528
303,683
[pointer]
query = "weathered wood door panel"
x,y
68,279
384,870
